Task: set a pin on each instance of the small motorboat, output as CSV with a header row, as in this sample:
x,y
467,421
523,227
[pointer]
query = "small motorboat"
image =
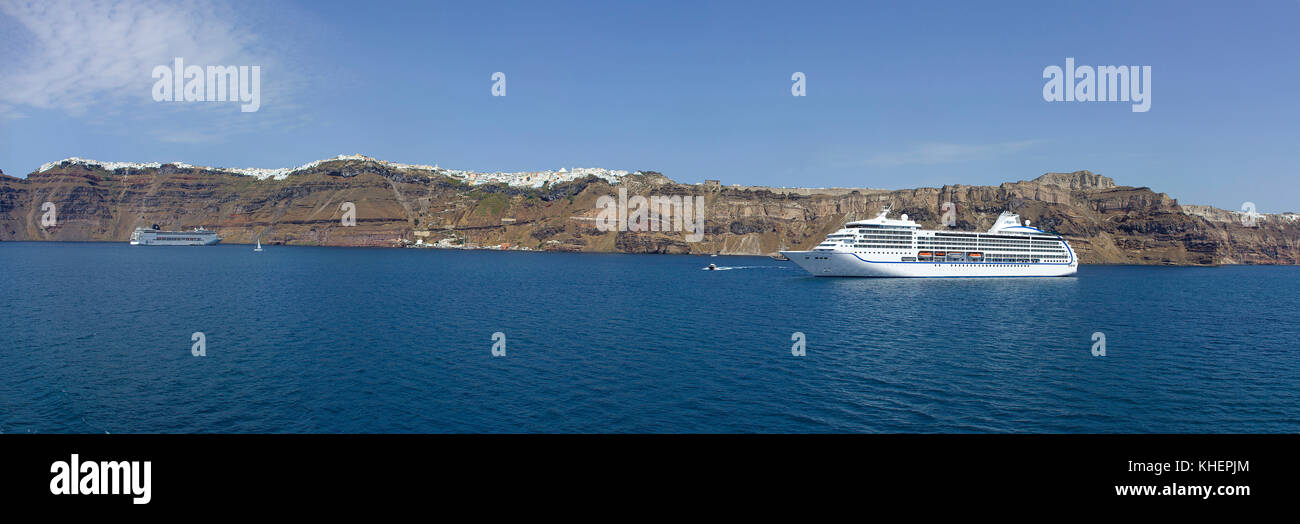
x,y
713,267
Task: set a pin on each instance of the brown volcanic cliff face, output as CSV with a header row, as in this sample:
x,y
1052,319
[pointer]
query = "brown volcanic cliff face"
x,y
395,206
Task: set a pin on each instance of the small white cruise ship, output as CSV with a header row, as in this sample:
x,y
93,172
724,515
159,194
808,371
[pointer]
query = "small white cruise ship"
x,y
145,236
885,247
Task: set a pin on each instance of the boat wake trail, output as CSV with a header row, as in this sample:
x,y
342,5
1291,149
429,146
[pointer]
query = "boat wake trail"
x,y
728,268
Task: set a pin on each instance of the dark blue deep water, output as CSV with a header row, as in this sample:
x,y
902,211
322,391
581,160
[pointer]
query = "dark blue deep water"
x,y
96,338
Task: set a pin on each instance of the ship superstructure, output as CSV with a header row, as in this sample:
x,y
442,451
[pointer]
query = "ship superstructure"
x,y
885,247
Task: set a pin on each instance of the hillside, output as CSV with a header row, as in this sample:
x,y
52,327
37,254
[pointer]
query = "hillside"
x,y
398,204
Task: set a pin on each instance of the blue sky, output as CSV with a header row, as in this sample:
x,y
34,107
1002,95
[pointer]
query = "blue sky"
x,y
899,94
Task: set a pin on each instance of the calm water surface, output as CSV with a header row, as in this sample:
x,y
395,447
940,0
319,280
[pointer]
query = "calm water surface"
x,y
97,338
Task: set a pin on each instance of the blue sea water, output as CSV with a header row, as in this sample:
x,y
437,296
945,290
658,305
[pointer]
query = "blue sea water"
x,y
96,337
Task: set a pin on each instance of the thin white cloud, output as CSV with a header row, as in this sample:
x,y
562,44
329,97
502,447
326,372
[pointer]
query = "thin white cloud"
x,y
85,53
94,58
945,153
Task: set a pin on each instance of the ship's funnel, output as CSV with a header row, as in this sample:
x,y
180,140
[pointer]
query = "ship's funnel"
x,y
1006,220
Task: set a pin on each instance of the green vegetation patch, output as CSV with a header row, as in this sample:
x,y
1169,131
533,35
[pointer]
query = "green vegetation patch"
x,y
491,204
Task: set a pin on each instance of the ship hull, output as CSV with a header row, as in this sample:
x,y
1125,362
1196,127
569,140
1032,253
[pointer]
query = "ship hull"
x,y
175,243
847,264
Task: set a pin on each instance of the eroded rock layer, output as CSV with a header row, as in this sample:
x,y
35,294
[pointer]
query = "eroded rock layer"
x,y
394,206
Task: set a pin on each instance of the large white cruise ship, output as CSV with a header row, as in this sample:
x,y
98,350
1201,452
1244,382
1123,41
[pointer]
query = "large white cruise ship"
x,y
885,247
144,236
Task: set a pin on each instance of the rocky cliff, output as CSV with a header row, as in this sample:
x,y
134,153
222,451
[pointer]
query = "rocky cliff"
x,y
398,206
